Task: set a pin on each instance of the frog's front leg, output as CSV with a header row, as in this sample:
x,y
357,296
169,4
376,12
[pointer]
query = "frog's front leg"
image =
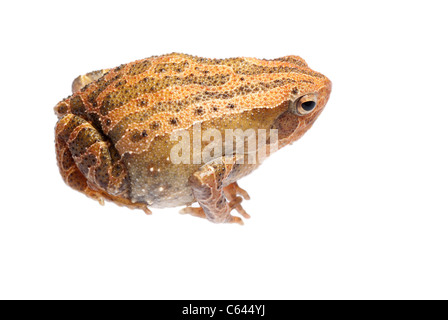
x,y
216,191
88,163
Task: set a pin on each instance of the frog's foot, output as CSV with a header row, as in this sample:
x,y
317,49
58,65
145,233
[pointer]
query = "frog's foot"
x,y
194,211
199,212
216,195
232,193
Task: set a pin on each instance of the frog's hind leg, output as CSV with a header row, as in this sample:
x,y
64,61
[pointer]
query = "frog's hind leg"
x,y
215,192
87,78
89,165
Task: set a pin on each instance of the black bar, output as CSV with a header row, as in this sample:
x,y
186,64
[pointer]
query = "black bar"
x,y
227,309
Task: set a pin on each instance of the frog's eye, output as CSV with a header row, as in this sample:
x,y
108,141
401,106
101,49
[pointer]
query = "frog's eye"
x,y
305,104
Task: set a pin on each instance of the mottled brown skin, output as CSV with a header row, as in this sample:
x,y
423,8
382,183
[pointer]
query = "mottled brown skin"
x,y
113,133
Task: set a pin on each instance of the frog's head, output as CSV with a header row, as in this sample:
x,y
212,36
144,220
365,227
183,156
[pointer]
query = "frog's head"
x,y
306,99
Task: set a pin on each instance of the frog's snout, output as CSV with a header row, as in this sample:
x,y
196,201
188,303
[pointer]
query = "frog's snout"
x,y
324,92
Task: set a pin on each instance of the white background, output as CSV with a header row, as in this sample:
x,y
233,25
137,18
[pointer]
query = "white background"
x,y
357,209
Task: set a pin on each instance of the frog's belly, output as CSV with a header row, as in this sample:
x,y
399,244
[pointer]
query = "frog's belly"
x,y
175,198
160,183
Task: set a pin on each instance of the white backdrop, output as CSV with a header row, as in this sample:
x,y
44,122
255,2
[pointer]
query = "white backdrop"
x,y
356,209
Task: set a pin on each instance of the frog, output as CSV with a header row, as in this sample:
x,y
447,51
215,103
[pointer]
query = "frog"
x,y
114,134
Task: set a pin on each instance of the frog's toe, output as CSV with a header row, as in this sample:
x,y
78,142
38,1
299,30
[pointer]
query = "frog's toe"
x,y
234,219
194,211
199,212
241,192
233,190
236,204
146,210
131,205
232,193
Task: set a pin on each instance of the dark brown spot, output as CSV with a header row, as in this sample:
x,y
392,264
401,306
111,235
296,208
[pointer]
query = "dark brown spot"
x,y
136,135
198,111
120,83
119,67
117,170
155,125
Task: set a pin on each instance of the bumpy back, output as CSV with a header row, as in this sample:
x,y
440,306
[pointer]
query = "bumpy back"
x,y
133,103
